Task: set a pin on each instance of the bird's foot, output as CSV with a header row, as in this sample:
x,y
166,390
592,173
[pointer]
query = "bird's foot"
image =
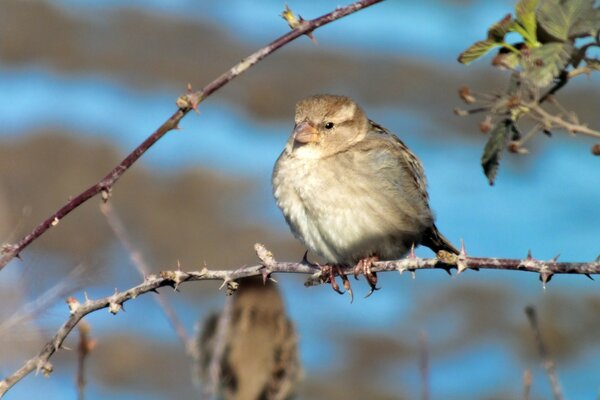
x,y
363,266
328,274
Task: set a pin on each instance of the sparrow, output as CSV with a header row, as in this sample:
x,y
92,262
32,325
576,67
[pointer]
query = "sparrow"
x,y
250,349
351,191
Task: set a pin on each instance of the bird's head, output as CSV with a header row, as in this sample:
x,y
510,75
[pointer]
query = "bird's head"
x,y
325,125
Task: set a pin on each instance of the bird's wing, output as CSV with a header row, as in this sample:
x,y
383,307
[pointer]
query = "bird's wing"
x,y
392,151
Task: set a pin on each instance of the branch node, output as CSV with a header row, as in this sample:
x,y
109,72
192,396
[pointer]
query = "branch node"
x,y
230,285
189,101
175,278
545,275
73,304
113,305
45,367
105,193
296,22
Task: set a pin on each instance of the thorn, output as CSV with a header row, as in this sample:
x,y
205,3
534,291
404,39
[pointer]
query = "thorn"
x,y
589,276
413,274
463,250
555,258
305,258
411,254
154,290
529,256
545,276
597,258
55,221
18,255
266,274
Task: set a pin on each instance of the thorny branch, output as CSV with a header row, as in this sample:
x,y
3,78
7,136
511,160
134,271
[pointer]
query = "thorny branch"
x,y
268,266
185,104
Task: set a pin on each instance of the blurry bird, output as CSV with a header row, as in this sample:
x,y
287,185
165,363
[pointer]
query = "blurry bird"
x,y
249,351
351,191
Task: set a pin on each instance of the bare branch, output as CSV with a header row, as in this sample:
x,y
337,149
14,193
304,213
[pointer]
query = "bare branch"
x,y
547,362
527,380
550,121
424,365
86,345
214,368
174,278
140,264
185,103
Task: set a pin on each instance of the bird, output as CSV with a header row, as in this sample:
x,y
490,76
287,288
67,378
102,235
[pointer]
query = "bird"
x,y
250,349
351,191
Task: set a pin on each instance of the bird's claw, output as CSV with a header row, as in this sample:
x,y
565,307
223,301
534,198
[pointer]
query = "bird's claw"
x,y
328,272
364,266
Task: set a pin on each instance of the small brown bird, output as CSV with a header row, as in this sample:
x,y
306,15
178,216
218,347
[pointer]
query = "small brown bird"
x,y
350,190
250,350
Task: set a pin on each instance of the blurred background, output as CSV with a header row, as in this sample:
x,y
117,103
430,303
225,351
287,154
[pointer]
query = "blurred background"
x,y
82,83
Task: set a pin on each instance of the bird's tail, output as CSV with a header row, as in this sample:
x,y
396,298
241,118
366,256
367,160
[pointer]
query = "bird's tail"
x,y
433,239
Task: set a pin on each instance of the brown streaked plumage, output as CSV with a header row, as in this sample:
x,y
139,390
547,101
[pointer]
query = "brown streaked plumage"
x,y
349,189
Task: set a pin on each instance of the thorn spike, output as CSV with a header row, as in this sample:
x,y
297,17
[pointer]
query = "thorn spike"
x,y
463,250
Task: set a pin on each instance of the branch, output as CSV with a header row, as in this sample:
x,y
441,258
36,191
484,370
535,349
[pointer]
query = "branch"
x,y
185,103
85,347
550,121
547,362
268,266
116,225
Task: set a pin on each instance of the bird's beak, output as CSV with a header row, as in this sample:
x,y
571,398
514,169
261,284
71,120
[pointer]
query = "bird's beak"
x,y
304,133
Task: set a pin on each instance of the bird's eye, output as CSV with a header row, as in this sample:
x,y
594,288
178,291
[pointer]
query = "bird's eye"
x,y
328,125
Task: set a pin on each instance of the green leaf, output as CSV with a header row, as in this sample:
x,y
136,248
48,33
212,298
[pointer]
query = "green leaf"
x,y
557,17
495,38
476,50
497,31
490,160
525,11
588,25
544,63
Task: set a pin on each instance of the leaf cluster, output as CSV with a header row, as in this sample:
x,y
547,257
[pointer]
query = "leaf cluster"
x,y
553,39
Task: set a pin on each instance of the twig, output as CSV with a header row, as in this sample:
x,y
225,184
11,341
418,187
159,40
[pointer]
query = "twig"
x,y
424,365
527,380
215,370
140,264
174,278
86,345
549,121
185,103
547,362
64,287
